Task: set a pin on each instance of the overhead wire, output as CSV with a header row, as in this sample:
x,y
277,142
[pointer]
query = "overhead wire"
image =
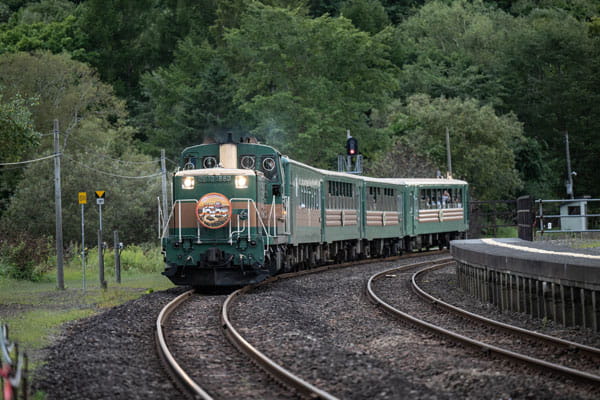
x,y
113,159
30,161
111,174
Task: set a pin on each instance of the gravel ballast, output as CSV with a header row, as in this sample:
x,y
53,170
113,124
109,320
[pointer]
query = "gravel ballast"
x,y
320,326
323,328
109,356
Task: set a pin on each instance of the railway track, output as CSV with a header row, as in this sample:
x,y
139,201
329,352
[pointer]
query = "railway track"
x,y
182,379
298,385
532,348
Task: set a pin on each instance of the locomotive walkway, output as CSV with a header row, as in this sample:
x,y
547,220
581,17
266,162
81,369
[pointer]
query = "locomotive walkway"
x,y
542,280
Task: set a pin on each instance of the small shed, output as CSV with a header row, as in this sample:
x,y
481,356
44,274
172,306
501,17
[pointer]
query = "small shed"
x,y
573,216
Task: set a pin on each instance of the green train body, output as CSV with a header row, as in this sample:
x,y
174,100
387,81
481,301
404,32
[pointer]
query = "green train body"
x,y
243,212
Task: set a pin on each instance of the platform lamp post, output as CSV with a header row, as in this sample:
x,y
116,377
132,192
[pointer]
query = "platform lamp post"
x,y
569,183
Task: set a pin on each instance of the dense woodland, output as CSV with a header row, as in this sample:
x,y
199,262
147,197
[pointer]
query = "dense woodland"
x,y
127,78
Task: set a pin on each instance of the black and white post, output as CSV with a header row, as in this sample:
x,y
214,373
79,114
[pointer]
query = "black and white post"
x,y
100,202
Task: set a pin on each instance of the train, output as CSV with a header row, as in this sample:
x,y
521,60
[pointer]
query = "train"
x,y
242,212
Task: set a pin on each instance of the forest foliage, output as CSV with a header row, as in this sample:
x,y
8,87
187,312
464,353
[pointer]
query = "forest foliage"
x,y
127,78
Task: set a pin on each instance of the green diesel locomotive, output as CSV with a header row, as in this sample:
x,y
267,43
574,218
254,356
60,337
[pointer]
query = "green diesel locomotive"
x,y
243,212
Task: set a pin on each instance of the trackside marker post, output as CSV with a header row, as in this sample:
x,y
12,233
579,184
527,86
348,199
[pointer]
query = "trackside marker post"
x,y
100,202
83,200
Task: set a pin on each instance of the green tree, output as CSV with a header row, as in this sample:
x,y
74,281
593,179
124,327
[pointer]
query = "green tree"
x,y
306,81
189,100
126,38
17,132
98,156
452,50
65,89
45,11
366,15
482,142
18,136
580,9
56,36
550,73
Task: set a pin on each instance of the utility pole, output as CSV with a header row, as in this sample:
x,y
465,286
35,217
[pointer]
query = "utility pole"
x,y
163,169
570,190
60,280
448,153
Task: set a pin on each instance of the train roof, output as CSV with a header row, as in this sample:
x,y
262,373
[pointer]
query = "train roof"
x,y
424,181
391,181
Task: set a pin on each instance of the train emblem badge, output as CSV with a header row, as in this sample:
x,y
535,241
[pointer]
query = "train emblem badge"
x,y
213,210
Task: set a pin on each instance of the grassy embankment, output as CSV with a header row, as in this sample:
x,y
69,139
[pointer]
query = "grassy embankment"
x,y
34,311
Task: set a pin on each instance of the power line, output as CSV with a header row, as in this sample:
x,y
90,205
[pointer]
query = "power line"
x,y
113,159
111,174
30,161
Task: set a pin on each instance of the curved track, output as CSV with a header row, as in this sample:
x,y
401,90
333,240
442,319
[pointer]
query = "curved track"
x,y
565,346
297,384
305,389
178,374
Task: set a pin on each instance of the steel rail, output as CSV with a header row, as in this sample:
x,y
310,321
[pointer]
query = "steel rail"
x,y
304,388
182,379
588,350
484,347
286,377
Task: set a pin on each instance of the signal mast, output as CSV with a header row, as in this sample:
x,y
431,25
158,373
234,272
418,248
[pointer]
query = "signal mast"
x,y
351,163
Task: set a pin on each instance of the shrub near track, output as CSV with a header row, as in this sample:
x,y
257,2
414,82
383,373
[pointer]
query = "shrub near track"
x,y
35,310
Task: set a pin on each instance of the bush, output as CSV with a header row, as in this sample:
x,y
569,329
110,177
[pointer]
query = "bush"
x,y
25,257
134,258
142,258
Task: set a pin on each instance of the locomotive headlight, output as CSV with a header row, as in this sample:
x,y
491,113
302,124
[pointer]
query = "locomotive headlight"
x,y
241,182
188,182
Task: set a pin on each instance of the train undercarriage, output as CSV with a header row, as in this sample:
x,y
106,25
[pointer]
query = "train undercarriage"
x,y
216,268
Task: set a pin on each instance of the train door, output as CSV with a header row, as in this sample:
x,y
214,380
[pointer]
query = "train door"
x,y
400,207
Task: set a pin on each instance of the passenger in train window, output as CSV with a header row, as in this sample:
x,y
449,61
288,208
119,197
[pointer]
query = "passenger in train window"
x,y
445,198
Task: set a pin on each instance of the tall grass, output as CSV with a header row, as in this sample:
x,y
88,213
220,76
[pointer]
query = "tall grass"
x,y
134,258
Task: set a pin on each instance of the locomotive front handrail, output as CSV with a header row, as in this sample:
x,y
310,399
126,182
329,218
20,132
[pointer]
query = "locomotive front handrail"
x,y
178,204
250,207
258,218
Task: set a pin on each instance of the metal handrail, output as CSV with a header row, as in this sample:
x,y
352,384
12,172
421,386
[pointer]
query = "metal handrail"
x,y
564,201
250,204
258,218
541,217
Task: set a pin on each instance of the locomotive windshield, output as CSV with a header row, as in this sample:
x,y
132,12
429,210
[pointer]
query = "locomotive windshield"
x,y
267,164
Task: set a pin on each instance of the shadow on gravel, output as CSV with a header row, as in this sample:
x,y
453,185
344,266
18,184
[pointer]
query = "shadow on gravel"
x,y
215,290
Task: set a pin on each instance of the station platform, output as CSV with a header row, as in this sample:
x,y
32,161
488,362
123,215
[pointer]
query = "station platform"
x,y
540,260
539,278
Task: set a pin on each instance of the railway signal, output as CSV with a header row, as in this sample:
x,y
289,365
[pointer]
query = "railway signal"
x,y
351,163
352,146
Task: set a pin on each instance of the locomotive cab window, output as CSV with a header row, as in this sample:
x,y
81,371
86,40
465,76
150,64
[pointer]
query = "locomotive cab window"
x,y
268,166
210,162
190,161
247,162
